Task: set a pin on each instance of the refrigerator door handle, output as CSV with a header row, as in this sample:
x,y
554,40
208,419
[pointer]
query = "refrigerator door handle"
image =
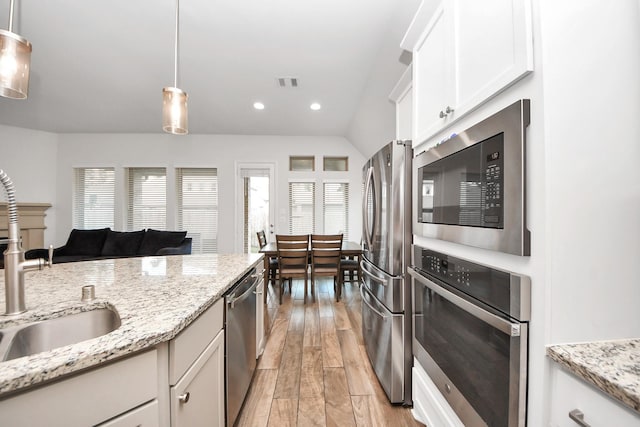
x,y
383,282
365,212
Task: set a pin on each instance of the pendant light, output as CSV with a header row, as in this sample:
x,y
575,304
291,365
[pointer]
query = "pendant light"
x,y
15,59
174,100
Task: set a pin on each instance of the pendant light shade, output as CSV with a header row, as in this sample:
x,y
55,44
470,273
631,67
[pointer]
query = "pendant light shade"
x,y
174,100
174,111
15,61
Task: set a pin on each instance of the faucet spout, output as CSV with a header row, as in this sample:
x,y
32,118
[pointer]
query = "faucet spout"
x,y
14,263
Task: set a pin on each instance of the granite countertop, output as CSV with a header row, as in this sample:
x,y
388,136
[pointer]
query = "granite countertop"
x,y
156,298
612,366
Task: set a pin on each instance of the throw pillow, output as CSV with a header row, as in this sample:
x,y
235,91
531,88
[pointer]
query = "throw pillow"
x,y
154,240
86,242
122,243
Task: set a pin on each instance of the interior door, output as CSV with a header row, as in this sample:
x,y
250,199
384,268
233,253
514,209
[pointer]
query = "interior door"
x,y
256,207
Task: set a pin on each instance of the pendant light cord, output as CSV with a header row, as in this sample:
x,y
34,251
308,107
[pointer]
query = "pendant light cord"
x,y
175,73
11,16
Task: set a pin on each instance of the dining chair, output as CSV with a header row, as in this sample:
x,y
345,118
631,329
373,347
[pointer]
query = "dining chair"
x,y
293,258
273,261
350,269
326,251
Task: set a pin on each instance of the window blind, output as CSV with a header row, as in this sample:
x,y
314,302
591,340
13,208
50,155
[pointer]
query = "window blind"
x,y
197,192
93,198
335,204
302,207
146,198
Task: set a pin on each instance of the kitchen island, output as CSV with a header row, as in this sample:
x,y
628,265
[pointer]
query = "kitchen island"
x,y
156,298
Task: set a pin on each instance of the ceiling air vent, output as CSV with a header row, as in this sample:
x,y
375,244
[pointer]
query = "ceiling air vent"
x,y
287,81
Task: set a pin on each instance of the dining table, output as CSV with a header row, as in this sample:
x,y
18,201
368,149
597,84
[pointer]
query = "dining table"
x,y
349,250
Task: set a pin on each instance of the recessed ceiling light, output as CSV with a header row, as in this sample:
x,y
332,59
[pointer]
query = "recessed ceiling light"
x,y
315,106
258,105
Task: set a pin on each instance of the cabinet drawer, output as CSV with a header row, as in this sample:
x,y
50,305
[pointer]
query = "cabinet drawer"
x,y
144,416
88,398
192,341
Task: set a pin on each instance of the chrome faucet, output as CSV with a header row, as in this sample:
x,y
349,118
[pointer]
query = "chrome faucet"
x,y
14,263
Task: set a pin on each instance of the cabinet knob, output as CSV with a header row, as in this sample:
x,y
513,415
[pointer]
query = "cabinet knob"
x,y
448,110
184,398
442,114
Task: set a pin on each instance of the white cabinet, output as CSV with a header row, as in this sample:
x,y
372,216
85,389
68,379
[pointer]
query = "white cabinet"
x,y
569,392
144,416
197,399
196,371
463,54
260,313
401,95
88,398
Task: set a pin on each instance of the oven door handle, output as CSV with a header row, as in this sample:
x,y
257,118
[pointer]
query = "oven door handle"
x,y
511,329
364,299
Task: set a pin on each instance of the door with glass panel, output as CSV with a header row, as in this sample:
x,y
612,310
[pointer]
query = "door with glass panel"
x,y
255,205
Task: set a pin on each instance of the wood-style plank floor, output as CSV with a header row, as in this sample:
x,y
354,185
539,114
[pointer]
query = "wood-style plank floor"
x,y
314,370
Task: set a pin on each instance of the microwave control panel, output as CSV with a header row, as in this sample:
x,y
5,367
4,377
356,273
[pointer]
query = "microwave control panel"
x,y
493,188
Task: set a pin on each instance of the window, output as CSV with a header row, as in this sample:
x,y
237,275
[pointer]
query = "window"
x,y
197,193
93,198
302,207
336,208
301,163
340,164
146,198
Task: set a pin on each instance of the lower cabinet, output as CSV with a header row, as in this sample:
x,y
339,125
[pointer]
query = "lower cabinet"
x,y
144,416
88,398
197,399
569,393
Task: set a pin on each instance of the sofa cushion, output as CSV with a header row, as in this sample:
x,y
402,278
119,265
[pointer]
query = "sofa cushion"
x,y
122,243
154,240
86,242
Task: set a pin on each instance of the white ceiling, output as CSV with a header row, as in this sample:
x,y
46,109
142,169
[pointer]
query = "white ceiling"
x,y
100,66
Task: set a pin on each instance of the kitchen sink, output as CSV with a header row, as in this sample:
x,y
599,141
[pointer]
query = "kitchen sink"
x,y
45,335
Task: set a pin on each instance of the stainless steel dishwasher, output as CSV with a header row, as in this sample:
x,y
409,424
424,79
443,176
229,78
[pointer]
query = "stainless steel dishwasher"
x,y
240,341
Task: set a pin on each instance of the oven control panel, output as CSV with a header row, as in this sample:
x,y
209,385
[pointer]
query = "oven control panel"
x,y
496,288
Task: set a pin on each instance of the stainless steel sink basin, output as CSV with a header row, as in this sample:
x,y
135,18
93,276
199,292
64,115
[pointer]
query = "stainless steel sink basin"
x,y
32,338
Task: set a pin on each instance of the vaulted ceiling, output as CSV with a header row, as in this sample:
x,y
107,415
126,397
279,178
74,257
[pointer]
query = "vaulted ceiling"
x,y
100,66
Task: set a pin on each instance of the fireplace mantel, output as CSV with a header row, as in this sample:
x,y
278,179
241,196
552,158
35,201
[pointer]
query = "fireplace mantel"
x,y
31,218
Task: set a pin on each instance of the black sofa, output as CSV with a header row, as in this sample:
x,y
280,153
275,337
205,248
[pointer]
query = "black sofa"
x,y
104,243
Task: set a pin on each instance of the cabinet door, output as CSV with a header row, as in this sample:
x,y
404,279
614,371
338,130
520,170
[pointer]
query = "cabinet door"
x,y
431,78
144,416
492,48
198,398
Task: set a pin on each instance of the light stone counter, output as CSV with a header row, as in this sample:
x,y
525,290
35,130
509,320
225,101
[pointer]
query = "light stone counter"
x,y
156,298
612,366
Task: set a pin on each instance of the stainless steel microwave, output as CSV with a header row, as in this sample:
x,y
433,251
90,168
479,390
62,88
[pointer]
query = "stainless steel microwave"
x,y
470,189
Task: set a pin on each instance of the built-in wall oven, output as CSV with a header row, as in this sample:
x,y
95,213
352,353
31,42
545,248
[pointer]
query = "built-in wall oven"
x,y
470,189
470,335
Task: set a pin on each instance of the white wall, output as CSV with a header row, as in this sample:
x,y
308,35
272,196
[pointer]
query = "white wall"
x,y
220,151
28,157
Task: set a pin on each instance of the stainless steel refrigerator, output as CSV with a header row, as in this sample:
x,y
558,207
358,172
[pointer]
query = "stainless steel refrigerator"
x,y
386,292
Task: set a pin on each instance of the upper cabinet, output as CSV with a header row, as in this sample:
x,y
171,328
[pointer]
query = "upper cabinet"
x,y
401,95
464,53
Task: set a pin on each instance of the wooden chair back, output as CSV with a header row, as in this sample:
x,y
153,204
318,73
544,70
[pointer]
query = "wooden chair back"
x,y
293,255
326,251
262,239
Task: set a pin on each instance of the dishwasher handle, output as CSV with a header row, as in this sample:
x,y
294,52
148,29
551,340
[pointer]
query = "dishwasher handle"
x,y
232,299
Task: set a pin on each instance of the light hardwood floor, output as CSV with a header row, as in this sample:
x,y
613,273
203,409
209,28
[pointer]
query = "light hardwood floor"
x,y
314,370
